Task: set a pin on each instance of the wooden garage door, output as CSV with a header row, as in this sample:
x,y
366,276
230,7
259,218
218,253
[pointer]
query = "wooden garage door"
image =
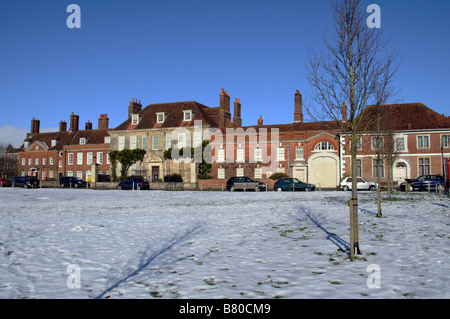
x,y
323,171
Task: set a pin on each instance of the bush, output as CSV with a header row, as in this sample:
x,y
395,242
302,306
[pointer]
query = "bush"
x,y
277,176
174,178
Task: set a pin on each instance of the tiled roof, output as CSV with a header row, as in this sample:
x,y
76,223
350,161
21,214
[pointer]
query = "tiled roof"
x,y
174,116
66,138
409,116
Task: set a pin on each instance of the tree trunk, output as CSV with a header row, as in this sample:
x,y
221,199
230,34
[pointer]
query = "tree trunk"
x,y
354,232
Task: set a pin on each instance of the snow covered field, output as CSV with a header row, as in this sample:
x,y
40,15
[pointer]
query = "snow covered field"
x,y
157,244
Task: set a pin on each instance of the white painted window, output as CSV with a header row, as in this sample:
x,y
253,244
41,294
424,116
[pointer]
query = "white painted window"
x,y
80,159
197,139
168,141
50,160
160,117
135,119
299,152
70,159
36,160
221,173
240,155
280,153
50,174
423,141
133,142
181,140
155,142
258,173
82,140
89,158
80,174
144,142
121,144
258,154
100,158
239,171
23,161
324,146
53,143
44,161
221,155
70,173
187,115
107,139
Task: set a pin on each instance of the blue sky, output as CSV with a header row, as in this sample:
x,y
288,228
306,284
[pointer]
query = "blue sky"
x,y
172,50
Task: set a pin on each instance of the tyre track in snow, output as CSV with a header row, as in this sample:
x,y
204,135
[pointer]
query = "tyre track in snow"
x,y
148,257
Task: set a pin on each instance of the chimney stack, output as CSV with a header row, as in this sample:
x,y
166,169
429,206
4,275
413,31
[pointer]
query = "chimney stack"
x,y
35,126
62,126
224,110
260,121
88,126
134,108
74,120
237,113
103,122
344,112
298,108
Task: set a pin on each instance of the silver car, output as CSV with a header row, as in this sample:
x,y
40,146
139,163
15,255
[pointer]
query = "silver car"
x,y
362,184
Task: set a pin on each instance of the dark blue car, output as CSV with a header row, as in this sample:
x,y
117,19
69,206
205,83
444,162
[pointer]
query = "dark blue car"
x,y
293,184
137,183
424,182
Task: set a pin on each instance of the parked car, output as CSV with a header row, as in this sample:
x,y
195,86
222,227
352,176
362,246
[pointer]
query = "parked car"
x,y
138,183
361,184
25,181
245,183
72,181
4,182
293,184
421,183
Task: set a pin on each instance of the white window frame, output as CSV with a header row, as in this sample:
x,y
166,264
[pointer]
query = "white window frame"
x,y
221,173
70,158
89,158
50,160
44,160
50,174
299,153
258,172
135,119
182,140
30,160
258,153
120,143
187,115
107,139
445,140
53,143
133,142
424,140
240,154
168,140
160,117
281,154
23,161
323,146
239,171
100,158
155,142
80,158
82,141
221,154
36,161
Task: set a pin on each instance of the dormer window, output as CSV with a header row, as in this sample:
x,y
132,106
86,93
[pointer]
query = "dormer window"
x,y
107,139
135,119
26,144
82,141
187,115
160,117
54,143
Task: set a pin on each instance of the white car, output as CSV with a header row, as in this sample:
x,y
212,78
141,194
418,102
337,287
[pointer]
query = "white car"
x,y
362,184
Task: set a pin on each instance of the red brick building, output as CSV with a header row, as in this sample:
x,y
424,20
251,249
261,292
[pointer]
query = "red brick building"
x,y
420,138
49,156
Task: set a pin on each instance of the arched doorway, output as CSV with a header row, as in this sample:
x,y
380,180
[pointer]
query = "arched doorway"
x,y
400,172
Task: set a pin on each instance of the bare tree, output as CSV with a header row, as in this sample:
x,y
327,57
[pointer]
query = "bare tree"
x,y
356,69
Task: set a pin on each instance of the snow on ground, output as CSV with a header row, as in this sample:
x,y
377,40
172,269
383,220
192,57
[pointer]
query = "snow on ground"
x,y
157,244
